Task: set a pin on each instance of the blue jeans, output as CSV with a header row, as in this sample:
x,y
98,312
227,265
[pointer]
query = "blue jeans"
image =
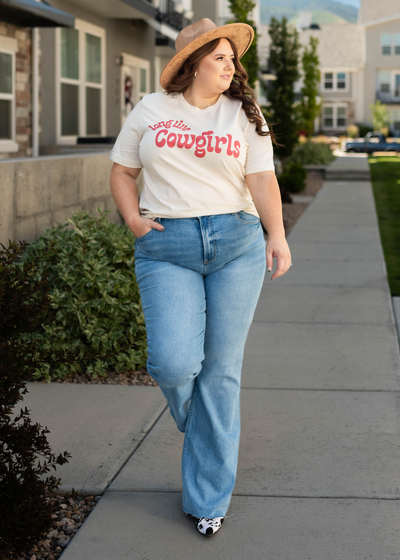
x,y
200,280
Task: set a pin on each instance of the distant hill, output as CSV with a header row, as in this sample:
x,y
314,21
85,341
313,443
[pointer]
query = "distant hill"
x,y
323,11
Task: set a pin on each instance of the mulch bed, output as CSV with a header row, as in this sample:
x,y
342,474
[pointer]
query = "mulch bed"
x,y
140,377
70,514
292,212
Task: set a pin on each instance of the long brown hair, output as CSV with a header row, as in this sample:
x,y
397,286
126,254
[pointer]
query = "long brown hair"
x,y
238,89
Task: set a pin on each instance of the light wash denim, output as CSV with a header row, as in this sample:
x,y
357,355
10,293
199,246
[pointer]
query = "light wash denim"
x,y
200,280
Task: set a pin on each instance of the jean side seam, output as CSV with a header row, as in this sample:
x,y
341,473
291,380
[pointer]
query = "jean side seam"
x,y
188,422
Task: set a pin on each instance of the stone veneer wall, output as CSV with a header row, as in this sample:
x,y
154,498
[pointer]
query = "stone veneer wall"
x,y
37,193
23,88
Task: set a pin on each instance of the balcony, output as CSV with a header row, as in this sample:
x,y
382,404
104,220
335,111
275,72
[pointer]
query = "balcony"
x,y
389,97
171,14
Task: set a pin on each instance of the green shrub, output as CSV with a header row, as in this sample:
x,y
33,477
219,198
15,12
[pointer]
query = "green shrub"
x,y
94,291
26,514
312,153
363,130
293,179
352,131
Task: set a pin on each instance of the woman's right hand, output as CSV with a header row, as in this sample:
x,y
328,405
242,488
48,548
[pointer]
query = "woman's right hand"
x,y
140,226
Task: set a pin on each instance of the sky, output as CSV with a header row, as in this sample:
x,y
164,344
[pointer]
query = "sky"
x,y
355,3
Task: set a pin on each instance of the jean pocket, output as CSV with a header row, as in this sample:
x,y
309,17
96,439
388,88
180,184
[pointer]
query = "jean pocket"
x,y
246,218
158,220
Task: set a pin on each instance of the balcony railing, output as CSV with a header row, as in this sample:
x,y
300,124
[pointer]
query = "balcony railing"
x,y
389,96
166,13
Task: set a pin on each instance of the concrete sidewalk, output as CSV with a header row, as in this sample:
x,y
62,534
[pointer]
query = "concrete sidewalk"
x,y
319,464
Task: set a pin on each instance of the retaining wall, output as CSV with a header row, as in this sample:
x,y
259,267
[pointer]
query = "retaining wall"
x,y
37,193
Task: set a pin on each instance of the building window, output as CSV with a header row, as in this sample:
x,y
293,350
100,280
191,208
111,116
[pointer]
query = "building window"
x,y
386,43
341,117
395,121
341,80
328,117
6,95
384,82
397,85
328,80
397,43
334,116
334,81
81,81
8,48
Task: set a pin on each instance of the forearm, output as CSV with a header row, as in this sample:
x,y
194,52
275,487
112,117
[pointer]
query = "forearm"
x,y
125,194
264,190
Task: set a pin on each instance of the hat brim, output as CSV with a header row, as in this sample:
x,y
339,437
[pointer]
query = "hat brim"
x,y
239,33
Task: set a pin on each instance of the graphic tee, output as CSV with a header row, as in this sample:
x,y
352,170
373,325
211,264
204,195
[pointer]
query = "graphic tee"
x,y
194,160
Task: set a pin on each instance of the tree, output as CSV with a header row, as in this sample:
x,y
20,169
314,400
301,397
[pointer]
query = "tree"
x,y
240,10
380,117
309,106
284,59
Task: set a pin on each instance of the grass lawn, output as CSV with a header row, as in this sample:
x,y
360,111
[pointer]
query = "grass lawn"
x,y
385,175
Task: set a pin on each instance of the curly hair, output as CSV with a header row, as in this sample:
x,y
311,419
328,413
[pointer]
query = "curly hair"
x,y
237,90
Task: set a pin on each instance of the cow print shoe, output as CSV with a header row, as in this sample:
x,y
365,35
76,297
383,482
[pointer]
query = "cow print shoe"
x,y
208,527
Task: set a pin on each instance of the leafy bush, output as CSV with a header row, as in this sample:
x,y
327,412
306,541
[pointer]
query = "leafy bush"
x,y
293,179
312,153
352,131
363,130
90,267
26,513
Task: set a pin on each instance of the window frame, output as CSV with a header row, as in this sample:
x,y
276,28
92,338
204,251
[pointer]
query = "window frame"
x,y
335,80
9,45
386,44
82,27
393,44
334,107
391,93
396,44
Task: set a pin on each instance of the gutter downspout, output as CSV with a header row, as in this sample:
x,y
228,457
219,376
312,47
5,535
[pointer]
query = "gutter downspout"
x,y
35,92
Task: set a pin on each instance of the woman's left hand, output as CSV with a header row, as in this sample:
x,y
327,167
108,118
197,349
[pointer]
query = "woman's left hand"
x,y
278,249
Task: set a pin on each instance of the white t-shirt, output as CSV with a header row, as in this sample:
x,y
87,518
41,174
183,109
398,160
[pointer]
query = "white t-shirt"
x,y
194,160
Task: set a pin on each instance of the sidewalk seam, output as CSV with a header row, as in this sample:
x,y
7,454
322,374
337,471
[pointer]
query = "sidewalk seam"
x,y
140,441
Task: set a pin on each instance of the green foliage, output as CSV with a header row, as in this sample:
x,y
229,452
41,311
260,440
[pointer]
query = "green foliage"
x,y
90,267
363,130
385,176
312,153
380,117
293,179
284,56
352,131
26,513
240,10
309,106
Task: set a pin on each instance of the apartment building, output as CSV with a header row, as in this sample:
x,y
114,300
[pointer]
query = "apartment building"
x,y
71,72
359,63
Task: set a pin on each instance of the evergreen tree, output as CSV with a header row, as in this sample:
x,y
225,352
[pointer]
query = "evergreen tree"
x,y
309,106
240,10
284,58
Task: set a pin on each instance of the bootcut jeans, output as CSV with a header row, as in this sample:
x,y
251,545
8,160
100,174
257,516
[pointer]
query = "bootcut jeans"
x,y
199,281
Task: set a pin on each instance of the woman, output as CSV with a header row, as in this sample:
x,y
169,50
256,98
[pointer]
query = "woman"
x,y
208,175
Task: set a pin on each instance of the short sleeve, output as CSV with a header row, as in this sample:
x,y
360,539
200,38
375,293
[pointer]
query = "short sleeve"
x,y
126,148
260,154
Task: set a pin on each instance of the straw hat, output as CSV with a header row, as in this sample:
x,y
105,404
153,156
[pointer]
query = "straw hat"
x,y
198,34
